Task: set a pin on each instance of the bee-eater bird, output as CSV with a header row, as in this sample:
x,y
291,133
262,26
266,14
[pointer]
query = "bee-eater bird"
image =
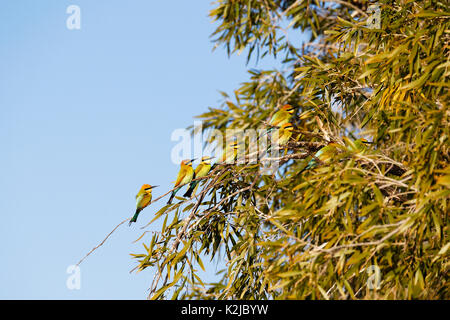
x,y
282,116
185,175
284,133
359,145
201,171
229,153
143,199
323,155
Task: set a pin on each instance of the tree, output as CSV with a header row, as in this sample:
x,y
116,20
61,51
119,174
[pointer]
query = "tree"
x,y
368,223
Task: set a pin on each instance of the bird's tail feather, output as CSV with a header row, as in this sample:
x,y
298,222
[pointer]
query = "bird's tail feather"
x,y
134,219
192,186
304,169
311,164
172,195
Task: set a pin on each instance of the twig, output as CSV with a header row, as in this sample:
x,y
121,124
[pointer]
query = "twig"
x,y
95,248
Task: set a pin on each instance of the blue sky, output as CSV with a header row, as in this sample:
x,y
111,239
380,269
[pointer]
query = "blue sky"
x,y
86,118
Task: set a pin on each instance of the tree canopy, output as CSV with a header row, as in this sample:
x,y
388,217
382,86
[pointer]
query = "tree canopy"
x,y
370,222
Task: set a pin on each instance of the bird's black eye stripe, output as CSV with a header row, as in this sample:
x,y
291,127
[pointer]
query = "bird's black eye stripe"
x,y
146,189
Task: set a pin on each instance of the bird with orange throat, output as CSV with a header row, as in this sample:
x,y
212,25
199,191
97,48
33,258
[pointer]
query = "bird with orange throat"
x,y
143,199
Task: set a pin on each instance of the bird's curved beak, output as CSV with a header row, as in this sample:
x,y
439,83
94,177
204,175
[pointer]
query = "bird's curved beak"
x,y
154,186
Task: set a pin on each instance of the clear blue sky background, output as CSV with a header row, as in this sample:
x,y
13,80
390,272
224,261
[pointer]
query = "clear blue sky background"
x,y
86,118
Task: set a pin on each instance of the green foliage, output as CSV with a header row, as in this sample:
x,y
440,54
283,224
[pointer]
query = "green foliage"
x,y
315,235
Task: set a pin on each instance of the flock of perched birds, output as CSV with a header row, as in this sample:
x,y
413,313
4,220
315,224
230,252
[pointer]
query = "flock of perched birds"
x,y
279,121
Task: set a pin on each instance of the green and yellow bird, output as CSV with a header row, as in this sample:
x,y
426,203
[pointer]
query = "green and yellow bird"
x,y
143,199
284,133
185,175
201,171
229,153
323,155
282,116
359,145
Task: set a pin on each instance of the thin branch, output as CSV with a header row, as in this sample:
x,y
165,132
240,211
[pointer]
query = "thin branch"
x,y
101,243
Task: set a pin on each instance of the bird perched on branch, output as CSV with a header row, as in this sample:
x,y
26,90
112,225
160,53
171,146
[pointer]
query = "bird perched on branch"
x,y
229,153
143,199
284,133
359,145
185,175
282,116
280,135
323,155
201,171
